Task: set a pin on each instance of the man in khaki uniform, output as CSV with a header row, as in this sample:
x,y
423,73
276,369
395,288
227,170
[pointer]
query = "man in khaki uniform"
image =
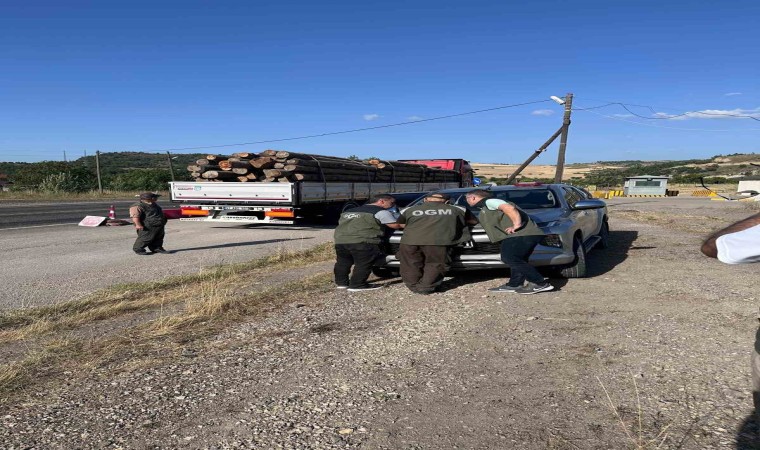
x,y
357,242
431,229
518,235
149,222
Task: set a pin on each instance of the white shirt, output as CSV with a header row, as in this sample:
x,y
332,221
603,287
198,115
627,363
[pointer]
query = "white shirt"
x,y
740,247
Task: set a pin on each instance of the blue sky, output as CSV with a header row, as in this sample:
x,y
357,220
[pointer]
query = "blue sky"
x,y
117,76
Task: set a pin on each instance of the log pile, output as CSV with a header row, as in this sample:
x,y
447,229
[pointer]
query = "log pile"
x,y
281,166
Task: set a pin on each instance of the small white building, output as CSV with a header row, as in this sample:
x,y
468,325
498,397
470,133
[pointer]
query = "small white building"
x,y
645,185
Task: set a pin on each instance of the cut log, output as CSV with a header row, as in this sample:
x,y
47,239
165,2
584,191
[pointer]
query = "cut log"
x,y
218,175
229,165
243,179
245,155
264,162
202,162
240,170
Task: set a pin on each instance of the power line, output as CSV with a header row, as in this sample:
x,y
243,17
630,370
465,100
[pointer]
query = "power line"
x,y
625,106
653,125
411,122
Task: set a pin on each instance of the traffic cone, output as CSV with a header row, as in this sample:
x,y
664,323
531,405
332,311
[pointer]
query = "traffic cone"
x,y
112,213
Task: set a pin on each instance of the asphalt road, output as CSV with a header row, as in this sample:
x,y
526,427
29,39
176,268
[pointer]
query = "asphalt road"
x,y
19,214
46,263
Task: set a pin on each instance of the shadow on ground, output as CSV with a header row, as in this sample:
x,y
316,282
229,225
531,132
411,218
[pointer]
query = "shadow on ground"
x,y
238,244
601,261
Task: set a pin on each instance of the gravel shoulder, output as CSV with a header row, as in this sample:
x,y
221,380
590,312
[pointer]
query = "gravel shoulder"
x,y
657,335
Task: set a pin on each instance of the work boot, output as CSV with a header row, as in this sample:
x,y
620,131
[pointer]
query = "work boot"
x,y
141,252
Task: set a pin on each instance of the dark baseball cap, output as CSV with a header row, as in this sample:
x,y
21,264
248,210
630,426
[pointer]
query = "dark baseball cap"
x,y
149,195
439,195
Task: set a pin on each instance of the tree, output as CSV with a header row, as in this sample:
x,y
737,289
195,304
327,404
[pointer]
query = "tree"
x,y
141,180
76,177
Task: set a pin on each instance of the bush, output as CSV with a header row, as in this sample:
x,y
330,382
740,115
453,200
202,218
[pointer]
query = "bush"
x,y
63,182
141,180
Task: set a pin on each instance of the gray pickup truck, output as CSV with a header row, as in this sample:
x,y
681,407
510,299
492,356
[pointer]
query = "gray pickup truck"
x,y
574,223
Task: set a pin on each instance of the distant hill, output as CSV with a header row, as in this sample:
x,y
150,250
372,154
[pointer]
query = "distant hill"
x,y
718,169
729,167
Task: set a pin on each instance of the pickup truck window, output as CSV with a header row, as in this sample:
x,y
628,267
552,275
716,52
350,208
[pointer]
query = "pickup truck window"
x,y
571,196
524,198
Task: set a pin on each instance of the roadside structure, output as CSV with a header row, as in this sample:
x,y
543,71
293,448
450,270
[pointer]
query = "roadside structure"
x,y
645,185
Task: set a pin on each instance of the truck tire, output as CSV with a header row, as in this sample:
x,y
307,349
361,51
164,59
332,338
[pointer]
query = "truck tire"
x,y
384,272
349,205
578,269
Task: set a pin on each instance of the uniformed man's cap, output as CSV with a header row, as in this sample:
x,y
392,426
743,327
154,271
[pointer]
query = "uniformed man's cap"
x,y
440,196
149,195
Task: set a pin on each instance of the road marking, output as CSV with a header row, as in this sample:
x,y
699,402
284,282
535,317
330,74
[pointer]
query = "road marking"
x,y
40,226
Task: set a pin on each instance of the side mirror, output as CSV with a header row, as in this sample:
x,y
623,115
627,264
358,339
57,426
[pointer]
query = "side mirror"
x,y
589,204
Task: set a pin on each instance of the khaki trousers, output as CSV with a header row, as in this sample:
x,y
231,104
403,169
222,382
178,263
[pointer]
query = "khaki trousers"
x,y
423,266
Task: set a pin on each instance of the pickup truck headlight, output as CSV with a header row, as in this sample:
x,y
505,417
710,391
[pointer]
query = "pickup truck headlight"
x,y
552,240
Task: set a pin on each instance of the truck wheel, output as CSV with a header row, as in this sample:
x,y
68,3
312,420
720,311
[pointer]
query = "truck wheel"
x,y
384,272
578,269
349,205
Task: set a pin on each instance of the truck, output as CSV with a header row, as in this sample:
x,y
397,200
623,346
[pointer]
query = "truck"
x,y
285,203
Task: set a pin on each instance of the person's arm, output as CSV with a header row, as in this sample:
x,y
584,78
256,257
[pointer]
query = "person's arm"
x,y
389,219
710,246
134,213
514,215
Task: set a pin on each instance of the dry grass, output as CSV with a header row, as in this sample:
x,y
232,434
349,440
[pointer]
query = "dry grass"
x,y
636,432
536,171
199,305
126,298
89,195
698,224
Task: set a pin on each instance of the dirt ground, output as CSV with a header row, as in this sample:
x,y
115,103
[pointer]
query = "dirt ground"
x,y
650,351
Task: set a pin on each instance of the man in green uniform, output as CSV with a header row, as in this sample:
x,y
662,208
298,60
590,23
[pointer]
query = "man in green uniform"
x,y
149,222
357,242
431,229
518,234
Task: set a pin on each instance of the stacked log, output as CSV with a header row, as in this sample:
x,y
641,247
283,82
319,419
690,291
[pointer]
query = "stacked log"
x,y
281,166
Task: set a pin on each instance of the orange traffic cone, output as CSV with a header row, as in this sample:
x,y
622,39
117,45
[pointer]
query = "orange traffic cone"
x,y
112,213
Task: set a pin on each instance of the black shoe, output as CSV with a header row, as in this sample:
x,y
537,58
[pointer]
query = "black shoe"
x,y
142,252
532,288
368,287
160,250
505,288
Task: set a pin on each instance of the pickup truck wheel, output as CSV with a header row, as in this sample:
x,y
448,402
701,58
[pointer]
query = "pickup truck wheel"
x,y
604,234
384,272
578,269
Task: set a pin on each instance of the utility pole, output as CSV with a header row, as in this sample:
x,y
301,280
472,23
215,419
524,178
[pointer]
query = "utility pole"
x,y
171,166
97,170
563,139
533,156
64,156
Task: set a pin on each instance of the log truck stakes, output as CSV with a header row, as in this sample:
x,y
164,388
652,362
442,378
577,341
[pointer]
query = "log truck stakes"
x,y
279,187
